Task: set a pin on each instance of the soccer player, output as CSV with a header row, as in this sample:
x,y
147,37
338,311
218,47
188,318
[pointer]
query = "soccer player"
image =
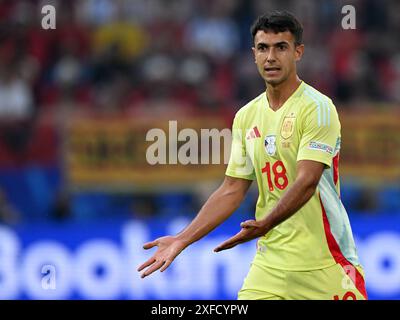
x,y
288,139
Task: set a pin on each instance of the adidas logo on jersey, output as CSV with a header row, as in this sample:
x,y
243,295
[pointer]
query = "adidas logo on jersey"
x,y
253,133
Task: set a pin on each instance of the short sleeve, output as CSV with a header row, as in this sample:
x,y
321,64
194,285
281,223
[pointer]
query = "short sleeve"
x,y
240,164
321,131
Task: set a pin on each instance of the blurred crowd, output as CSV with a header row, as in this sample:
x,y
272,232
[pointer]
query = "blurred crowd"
x,y
189,56
113,55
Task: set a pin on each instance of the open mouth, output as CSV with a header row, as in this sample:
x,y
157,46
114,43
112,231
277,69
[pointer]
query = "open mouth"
x,y
271,69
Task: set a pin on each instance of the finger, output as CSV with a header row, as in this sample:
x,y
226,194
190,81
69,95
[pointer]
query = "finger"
x,y
146,264
248,224
157,265
230,243
166,265
225,246
150,244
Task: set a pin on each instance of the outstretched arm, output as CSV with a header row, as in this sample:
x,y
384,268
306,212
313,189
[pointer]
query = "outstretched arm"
x,y
221,204
308,175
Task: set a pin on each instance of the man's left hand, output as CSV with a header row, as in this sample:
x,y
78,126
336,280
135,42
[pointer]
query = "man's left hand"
x,y
251,229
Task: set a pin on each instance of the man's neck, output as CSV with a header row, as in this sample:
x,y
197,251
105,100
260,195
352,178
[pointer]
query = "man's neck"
x,y
277,95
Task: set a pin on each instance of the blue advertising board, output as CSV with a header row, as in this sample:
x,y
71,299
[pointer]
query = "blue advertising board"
x,y
99,261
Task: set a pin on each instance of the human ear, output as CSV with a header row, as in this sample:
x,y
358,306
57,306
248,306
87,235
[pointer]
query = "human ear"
x,y
299,51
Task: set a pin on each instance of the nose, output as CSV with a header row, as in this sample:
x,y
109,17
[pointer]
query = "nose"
x,y
271,55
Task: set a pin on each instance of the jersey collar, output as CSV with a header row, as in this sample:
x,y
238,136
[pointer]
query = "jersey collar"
x,y
294,95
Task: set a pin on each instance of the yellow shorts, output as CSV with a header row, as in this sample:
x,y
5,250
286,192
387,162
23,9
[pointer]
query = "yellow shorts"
x,y
332,283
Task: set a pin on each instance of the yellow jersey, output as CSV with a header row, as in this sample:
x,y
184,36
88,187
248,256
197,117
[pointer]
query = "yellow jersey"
x,y
266,146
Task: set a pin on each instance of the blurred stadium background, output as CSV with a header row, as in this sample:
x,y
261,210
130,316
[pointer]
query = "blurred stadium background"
x,y
76,102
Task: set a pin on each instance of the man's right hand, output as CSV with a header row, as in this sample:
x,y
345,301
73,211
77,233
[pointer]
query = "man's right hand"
x,y
169,248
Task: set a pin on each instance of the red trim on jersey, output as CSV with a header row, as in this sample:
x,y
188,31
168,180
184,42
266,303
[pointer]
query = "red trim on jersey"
x,y
335,161
338,255
258,135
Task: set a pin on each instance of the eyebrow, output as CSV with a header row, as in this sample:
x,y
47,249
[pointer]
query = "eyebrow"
x,y
276,44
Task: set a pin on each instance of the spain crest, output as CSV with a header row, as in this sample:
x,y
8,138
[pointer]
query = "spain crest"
x,y
287,128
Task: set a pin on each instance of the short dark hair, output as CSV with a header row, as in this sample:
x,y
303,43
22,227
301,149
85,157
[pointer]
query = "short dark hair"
x,y
279,21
